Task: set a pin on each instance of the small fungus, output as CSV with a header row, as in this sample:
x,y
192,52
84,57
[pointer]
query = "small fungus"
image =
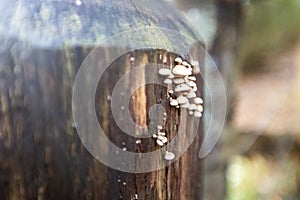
x,y
169,155
182,87
164,72
186,105
197,114
178,60
182,100
181,70
174,102
178,80
138,141
159,142
167,81
191,95
198,100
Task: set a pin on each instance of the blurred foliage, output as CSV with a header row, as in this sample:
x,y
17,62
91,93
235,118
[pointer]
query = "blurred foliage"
x,y
260,178
270,27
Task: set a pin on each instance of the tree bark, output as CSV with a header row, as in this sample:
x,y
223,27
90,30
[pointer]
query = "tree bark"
x,y
41,155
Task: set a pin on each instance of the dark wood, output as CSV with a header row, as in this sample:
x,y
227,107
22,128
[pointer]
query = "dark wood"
x,y
41,156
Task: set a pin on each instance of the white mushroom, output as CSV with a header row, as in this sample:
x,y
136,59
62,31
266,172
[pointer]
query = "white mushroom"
x,y
167,81
182,87
184,63
193,107
178,60
178,80
186,105
191,84
181,70
159,127
171,76
194,89
159,142
174,102
171,91
160,137
165,140
192,78
197,114
154,136
200,108
164,72
138,141
191,112
191,94
169,155
161,133
182,100
198,100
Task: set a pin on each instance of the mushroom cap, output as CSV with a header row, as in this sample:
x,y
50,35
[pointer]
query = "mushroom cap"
x,y
181,70
167,81
191,84
186,105
193,107
171,76
198,100
194,89
160,137
182,100
164,72
191,94
169,155
178,60
200,108
178,80
164,140
161,133
182,87
197,114
192,78
185,63
159,142
174,102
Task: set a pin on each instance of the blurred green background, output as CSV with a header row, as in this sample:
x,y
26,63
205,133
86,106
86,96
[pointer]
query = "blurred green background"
x,y
266,105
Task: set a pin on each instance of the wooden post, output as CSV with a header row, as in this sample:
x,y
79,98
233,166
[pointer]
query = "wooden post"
x,y
41,156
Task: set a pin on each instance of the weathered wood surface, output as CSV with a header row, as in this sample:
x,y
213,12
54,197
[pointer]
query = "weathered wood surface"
x,y
43,44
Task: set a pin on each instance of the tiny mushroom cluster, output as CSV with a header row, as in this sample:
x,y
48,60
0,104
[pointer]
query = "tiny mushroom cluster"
x,y
160,137
182,91
182,81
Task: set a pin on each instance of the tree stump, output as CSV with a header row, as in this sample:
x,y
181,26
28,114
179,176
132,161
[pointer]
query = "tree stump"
x,y
43,45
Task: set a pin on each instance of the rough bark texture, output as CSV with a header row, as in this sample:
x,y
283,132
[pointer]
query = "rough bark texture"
x,y
41,156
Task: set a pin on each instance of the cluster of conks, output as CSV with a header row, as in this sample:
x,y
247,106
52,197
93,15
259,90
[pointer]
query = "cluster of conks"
x,y
182,81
